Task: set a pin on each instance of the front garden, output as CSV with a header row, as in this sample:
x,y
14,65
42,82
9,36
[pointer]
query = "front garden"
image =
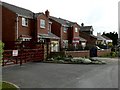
x,y
73,60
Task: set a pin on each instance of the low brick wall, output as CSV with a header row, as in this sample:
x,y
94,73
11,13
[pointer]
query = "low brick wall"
x,y
103,52
78,53
87,53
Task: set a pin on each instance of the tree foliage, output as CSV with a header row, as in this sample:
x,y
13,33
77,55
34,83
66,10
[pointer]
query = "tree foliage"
x,y
113,36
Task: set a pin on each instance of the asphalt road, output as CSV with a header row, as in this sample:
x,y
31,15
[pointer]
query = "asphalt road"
x,y
49,75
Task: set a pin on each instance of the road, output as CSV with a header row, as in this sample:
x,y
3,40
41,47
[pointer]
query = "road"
x,y
49,75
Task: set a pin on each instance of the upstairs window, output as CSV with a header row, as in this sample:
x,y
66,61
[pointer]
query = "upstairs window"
x,y
76,29
65,29
24,21
42,23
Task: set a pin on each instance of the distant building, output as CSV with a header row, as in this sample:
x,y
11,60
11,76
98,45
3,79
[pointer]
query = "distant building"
x,y
102,39
67,31
87,33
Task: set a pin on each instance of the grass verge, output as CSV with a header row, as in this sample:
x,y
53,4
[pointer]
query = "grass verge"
x,y
9,86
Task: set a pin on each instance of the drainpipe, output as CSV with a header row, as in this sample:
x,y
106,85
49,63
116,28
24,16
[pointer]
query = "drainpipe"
x,y
17,26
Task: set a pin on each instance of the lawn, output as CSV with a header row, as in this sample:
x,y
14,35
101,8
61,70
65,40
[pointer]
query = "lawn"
x,y
8,86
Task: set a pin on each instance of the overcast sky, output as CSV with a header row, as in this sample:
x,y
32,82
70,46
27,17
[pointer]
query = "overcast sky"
x,y
101,14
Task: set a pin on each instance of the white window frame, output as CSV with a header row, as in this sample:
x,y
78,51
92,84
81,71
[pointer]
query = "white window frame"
x,y
76,29
42,23
65,43
24,21
26,39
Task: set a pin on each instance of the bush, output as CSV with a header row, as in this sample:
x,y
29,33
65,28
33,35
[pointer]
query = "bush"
x,y
1,49
113,54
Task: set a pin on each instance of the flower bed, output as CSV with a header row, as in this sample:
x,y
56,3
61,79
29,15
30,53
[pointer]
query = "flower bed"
x,y
71,60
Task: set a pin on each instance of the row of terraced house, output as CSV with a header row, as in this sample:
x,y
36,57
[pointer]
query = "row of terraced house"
x,y
19,24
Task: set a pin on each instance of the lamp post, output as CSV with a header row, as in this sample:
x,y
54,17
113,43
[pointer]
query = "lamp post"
x,y
21,51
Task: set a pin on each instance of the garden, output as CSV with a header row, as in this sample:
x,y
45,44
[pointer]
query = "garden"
x,y
73,60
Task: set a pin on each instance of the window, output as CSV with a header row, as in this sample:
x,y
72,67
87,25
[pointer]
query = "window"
x,y
76,29
49,27
26,39
65,29
24,22
42,23
65,43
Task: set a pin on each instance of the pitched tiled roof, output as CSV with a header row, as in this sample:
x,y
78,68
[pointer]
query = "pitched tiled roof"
x,y
37,14
93,36
18,10
49,35
85,28
99,38
106,37
82,39
62,21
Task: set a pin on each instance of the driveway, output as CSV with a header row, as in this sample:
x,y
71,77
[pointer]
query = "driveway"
x,y
49,75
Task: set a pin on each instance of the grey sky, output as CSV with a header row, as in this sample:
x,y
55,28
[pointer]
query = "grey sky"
x,y
101,14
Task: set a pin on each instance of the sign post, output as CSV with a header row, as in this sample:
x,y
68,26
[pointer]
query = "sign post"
x,y
15,53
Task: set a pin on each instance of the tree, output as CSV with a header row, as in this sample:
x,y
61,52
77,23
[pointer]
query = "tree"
x,y
113,36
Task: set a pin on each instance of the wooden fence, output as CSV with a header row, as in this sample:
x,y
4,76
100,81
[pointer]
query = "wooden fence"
x,y
24,56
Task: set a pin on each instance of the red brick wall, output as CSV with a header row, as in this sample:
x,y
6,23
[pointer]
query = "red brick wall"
x,y
64,34
104,52
87,53
90,40
78,53
8,25
42,30
75,34
25,30
55,28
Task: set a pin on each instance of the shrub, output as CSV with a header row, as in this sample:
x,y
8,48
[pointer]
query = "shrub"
x,y
1,49
113,54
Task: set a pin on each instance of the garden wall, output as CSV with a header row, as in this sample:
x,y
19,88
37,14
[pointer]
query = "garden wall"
x,y
103,52
78,53
87,53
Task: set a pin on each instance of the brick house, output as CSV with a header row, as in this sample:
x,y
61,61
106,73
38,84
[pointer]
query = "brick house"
x,y
24,25
17,23
102,39
87,33
67,31
43,32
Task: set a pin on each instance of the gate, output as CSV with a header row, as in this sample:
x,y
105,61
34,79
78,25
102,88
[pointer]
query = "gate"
x,y
93,52
24,56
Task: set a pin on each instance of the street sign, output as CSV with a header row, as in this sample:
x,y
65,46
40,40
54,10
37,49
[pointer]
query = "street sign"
x,y
15,53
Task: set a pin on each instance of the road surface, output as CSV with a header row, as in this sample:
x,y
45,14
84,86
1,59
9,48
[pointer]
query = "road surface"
x,y
49,75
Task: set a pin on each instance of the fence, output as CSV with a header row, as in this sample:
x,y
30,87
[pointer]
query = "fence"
x,y
24,56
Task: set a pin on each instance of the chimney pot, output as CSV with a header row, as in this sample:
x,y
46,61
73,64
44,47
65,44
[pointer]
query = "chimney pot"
x,y
82,24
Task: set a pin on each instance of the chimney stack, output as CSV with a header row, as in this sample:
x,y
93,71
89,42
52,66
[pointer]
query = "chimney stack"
x,y
47,13
82,24
98,34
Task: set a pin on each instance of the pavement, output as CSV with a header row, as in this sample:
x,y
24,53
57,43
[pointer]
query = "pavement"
x,y
50,75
